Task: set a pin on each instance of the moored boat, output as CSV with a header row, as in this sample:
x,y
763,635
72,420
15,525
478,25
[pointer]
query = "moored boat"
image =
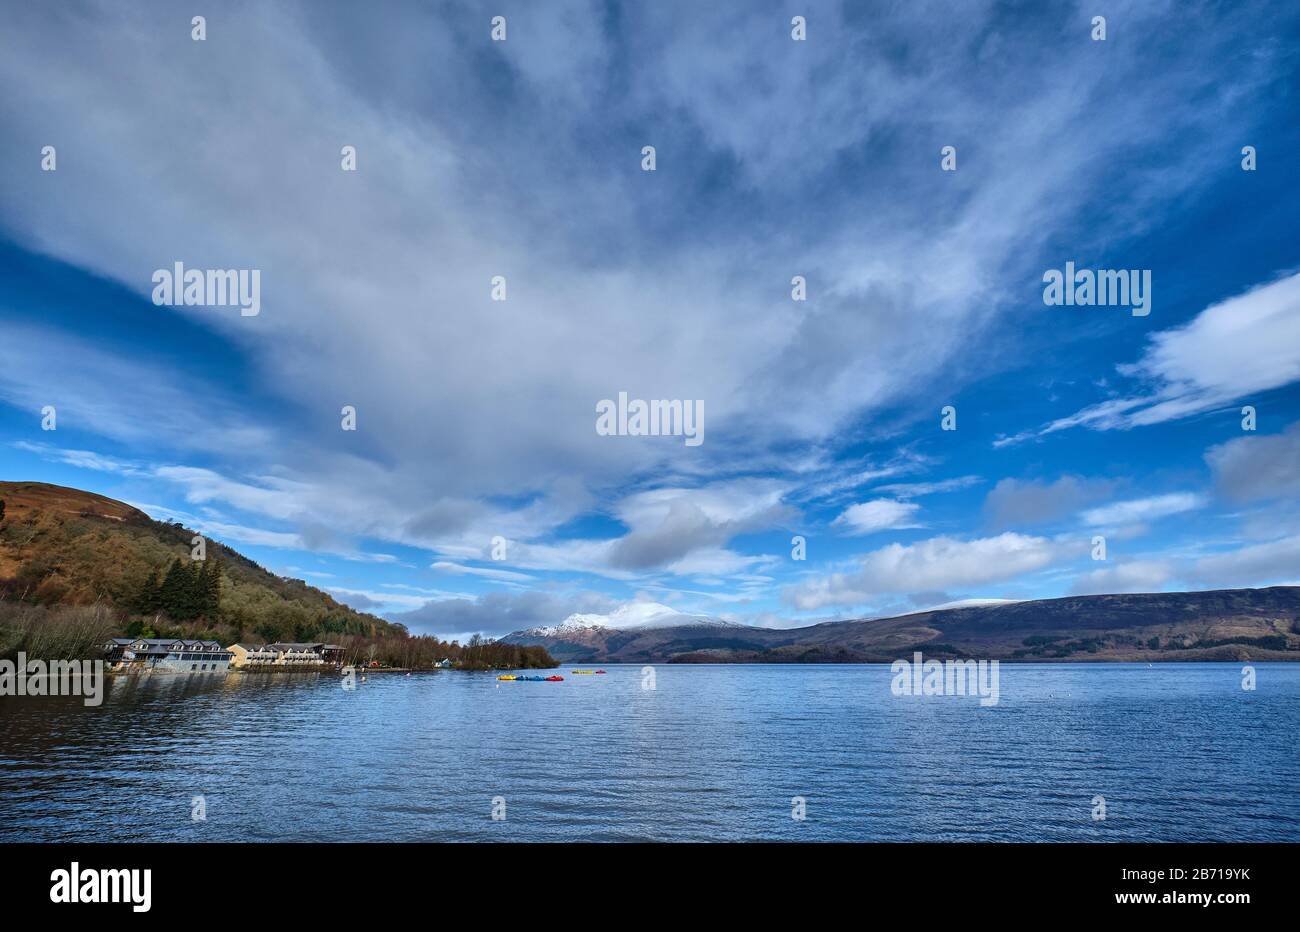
x,y
521,678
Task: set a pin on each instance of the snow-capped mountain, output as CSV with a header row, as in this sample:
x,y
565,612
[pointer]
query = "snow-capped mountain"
x,y
631,616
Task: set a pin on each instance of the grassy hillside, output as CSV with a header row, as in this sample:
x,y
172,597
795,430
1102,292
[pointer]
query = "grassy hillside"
x,y
61,546
77,568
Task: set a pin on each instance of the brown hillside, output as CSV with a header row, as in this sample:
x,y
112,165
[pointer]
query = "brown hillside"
x,y
23,497
67,547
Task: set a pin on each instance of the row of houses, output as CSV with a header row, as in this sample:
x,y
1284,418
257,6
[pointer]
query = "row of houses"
x,y
177,655
285,655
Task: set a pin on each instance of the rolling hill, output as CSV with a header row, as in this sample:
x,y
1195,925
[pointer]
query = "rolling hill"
x,y
1232,624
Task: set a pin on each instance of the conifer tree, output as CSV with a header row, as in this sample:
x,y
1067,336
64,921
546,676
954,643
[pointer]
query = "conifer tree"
x,y
174,592
149,599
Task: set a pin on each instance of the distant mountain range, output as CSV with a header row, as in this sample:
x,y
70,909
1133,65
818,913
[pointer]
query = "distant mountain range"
x,y
1229,624
633,616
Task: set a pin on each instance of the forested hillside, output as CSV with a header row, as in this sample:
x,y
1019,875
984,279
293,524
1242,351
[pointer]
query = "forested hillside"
x,y
77,568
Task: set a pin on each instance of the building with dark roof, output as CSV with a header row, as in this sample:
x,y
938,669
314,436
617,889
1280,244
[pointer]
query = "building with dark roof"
x,y
166,655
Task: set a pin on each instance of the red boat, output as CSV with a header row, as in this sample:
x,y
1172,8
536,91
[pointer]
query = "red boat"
x,y
555,679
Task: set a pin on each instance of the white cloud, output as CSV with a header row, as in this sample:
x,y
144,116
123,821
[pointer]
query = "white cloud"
x,y
656,315
240,534
1244,346
1139,510
881,514
915,489
1275,562
81,459
717,560
640,613
623,282
931,565
677,530
498,613
367,599
458,569
1134,576
126,399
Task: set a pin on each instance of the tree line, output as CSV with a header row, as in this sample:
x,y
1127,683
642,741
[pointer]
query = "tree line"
x,y
421,652
74,581
188,590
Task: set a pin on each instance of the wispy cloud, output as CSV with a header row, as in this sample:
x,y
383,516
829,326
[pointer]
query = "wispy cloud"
x,y
1143,509
917,489
1246,345
457,569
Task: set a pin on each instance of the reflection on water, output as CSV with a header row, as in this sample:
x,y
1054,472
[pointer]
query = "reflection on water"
x,y
1179,751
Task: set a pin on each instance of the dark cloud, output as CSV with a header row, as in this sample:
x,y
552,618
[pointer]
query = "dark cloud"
x,y
447,516
357,600
685,528
1258,468
1023,503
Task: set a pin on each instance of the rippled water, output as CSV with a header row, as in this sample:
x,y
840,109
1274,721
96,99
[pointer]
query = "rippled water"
x,y
1179,751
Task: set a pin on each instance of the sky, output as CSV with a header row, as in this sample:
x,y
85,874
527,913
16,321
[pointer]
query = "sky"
x,y
476,493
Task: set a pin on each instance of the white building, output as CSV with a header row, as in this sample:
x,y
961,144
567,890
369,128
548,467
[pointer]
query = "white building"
x,y
166,655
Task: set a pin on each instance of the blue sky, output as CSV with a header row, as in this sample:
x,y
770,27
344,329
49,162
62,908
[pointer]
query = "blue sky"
x,y
775,158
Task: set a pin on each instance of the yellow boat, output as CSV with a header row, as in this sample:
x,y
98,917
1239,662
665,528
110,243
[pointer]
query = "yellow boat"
x,y
582,671
507,676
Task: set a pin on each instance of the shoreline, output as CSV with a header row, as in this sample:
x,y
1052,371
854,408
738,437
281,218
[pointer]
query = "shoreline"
x,y
1019,661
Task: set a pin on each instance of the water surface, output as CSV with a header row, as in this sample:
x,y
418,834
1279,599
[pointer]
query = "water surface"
x,y
1179,751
